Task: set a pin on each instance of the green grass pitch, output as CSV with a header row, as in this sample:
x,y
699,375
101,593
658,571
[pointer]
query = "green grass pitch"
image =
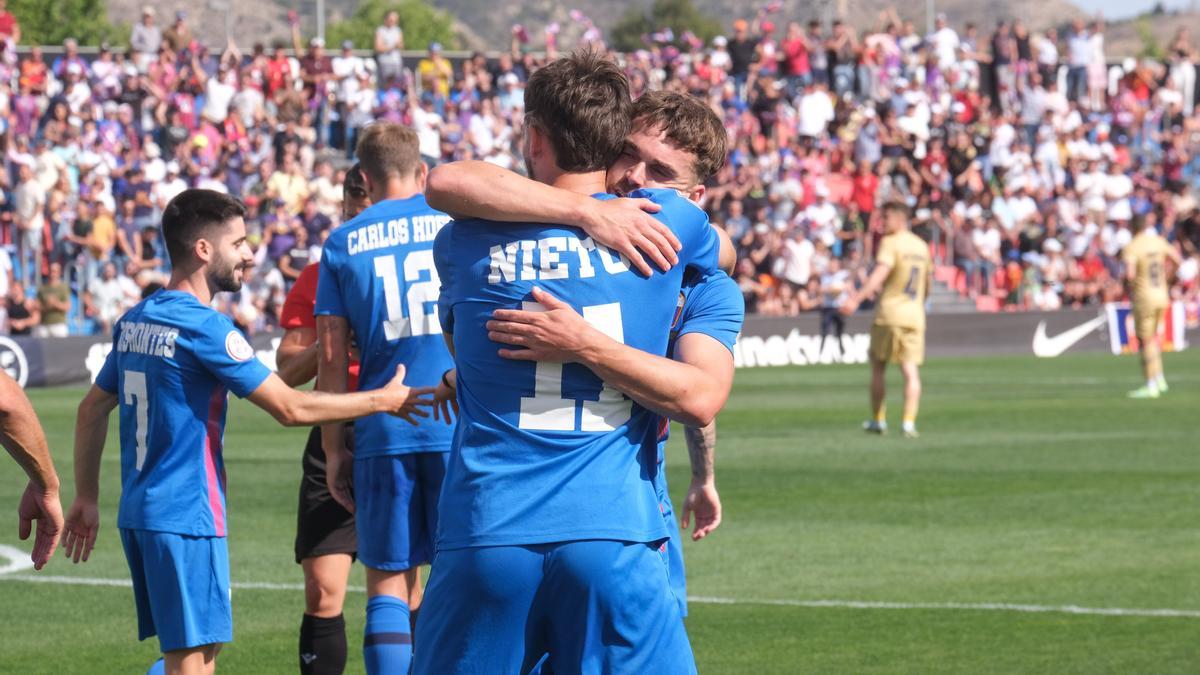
x,y
1035,482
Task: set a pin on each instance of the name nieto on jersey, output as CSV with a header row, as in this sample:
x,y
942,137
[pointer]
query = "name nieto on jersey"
x,y
548,258
151,339
395,232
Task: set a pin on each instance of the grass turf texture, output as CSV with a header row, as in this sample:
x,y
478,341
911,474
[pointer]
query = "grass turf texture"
x,y
1034,482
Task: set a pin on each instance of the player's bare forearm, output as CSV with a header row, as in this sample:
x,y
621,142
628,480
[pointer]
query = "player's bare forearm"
x,y
297,355
689,391
483,190
679,391
22,436
91,430
307,408
333,335
476,189
702,448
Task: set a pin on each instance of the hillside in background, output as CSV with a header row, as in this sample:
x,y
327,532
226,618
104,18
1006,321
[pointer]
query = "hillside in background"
x,y
483,24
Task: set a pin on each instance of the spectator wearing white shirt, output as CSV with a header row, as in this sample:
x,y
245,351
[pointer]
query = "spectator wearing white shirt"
x,y
1117,189
1047,56
1079,55
797,259
824,221
428,125
816,110
108,296
163,192
945,42
347,70
389,41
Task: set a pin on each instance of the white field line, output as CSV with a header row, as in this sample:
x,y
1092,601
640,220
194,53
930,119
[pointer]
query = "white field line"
x,y
705,600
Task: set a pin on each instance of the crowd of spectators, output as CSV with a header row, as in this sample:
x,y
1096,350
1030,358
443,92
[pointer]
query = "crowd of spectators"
x,y
1025,156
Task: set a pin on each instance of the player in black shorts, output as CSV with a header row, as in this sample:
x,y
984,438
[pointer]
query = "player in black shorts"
x,y
325,538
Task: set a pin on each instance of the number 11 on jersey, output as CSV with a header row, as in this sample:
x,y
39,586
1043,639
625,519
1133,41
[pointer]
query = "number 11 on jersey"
x,y
549,410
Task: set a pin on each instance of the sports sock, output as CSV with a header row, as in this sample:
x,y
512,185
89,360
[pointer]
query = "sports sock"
x,y
159,667
322,645
387,639
1152,384
881,416
910,425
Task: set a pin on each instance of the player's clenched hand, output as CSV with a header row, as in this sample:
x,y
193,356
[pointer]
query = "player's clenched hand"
x,y
339,476
704,503
79,535
445,399
626,226
406,402
42,505
557,334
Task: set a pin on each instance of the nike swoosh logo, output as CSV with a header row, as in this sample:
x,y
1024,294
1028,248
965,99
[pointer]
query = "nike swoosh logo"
x,y
1049,347
308,658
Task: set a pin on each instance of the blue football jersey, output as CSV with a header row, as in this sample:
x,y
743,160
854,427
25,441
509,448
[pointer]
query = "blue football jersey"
x,y
172,365
711,305
545,452
377,272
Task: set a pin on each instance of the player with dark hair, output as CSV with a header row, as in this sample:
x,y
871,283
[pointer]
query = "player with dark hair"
x,y
173,362
325,537
902,274
377,280
550,533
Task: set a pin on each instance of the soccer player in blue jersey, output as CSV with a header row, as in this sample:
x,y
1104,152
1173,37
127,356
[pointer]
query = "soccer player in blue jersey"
x,y
377,278
677,143
173,362
550,528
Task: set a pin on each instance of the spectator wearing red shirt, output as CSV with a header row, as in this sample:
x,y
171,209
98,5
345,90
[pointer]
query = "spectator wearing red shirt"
x,y
10,29
794,51
34,71
866,183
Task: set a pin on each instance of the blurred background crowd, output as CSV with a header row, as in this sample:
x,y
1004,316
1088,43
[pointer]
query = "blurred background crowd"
x,y
1025,156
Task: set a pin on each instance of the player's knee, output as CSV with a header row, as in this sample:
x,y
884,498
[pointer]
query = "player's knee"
x,y
323,596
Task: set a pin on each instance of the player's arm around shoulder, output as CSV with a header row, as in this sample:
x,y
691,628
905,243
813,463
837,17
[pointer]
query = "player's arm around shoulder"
x,y
474,189
699,245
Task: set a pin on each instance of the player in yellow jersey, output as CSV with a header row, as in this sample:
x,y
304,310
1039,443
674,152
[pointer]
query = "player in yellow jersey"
x,y
1146,277
901,277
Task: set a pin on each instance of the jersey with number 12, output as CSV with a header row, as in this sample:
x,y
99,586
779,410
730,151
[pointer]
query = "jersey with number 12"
x,y
545,452
171,367
377,272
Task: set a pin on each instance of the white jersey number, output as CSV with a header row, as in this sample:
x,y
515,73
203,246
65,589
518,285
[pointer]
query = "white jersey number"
x,y
135,395
420,296
548,410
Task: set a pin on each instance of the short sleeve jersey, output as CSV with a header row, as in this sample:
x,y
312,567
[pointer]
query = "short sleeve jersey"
x,y
1147,256
377,272
299,307
545,452
172,365
902,301
710,305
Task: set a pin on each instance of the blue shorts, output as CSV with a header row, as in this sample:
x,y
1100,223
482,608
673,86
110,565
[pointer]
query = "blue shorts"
x,y
674,545
181,588
396,507
588,606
